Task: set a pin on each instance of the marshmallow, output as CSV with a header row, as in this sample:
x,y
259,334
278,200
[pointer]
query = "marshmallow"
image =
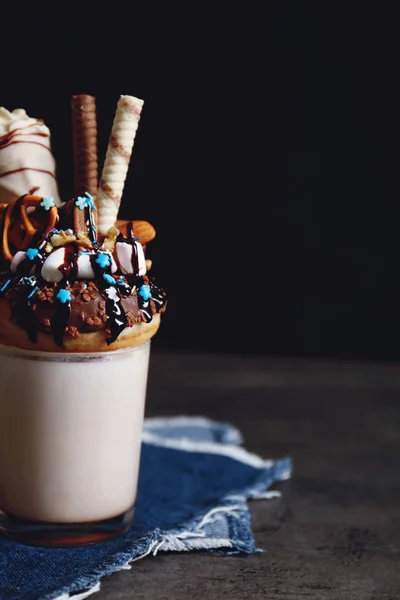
x,y
50,269
18,258
51,266
85,269
124,252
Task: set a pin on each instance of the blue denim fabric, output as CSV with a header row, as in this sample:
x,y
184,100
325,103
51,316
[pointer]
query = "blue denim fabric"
x,y
195,480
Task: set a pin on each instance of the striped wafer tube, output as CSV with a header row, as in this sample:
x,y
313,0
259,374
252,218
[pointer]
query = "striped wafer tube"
x,y
117,159
84,137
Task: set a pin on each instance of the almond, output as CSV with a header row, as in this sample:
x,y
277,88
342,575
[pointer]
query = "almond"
x,y
141,229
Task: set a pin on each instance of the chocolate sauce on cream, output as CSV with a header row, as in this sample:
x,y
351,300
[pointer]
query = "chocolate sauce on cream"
x,y
27,169
157,295
117,320
116,317
9,138
91,227
10,143
134,257
69,267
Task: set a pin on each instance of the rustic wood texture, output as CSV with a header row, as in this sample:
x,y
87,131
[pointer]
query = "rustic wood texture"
x,y
335,533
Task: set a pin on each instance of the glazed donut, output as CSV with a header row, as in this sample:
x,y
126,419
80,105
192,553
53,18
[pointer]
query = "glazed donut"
x,y
62,291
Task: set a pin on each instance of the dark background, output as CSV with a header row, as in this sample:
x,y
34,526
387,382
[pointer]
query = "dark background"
x,y
266,158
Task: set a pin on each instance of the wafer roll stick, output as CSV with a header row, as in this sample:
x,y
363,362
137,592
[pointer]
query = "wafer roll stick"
x,y
84,136
117,159
86,174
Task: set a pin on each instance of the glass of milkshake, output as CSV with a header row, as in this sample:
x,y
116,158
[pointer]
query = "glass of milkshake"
x,y
77,314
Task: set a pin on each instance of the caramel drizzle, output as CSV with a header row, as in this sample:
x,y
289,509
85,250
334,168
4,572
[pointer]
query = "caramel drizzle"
x,y
8,138
10,143
27,169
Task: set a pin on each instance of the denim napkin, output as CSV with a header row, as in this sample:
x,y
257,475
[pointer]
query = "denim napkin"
x,y
194,483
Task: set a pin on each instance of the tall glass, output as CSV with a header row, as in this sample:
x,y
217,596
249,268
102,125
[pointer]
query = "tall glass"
x,y
70,440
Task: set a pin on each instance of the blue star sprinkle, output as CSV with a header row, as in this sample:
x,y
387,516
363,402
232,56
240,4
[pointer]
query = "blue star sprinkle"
x,y
47,203
64,296
32,253
103,260
109,278
85,201
145,292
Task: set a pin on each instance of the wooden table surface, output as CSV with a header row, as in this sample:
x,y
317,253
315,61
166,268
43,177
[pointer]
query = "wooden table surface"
x,y
335,533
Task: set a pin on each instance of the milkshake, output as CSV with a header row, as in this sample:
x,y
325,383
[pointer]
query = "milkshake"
x,y
78,310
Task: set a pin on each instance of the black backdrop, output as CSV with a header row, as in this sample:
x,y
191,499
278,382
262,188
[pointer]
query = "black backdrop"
x,y
266,158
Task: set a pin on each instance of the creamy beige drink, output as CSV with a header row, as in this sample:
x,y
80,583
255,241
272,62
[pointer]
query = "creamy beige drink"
x,y
70,445
77,312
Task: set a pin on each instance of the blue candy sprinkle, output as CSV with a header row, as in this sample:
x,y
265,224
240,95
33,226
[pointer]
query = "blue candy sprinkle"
x,y
35,289
145,292
103,260
121,282
109,278
64,296
28,280
32,253
47,203
85,201
5,285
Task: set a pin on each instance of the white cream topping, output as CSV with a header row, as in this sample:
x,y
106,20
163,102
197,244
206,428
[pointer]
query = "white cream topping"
x,y
27,164
15,119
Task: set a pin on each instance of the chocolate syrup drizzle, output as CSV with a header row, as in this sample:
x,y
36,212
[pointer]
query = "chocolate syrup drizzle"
x,y
117,319
8,139
27,169
28,277
23,313
91,227
59,322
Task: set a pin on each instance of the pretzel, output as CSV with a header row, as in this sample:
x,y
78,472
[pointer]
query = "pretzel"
x,y
20,226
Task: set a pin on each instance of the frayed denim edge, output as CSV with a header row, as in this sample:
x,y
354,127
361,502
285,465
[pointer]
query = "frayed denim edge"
x,y
184,541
